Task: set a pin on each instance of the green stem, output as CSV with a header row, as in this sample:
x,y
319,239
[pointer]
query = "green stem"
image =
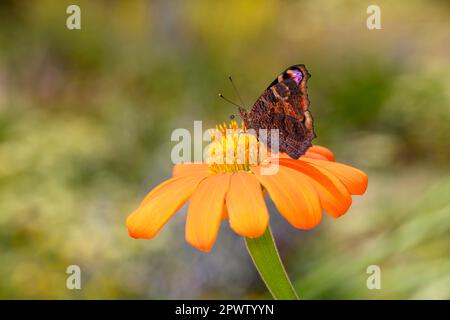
x,y
268,263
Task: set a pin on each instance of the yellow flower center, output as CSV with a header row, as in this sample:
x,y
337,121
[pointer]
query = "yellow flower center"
x,y
233,149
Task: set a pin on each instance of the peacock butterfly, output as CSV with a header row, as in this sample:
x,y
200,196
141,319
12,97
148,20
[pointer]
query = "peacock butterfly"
x,y
284,105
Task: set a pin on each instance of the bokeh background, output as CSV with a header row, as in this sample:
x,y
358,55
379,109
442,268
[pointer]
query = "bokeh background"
x,y
85,123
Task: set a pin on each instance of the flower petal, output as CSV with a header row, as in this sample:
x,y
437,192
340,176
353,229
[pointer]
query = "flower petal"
x,y
224,212
325,152
353,179
293,195
189,168
160,205
247,210
313,155
334,197
205,211
193,175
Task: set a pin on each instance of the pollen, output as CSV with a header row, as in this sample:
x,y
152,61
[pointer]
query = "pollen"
x,y
233,149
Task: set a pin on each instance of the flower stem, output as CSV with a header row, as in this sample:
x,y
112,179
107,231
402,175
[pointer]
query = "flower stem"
x,y
268,263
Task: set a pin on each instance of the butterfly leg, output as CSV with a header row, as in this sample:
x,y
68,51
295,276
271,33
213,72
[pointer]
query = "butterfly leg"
x,y
244,115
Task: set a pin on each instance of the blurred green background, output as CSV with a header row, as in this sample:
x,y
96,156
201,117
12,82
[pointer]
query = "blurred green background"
x,y
85,123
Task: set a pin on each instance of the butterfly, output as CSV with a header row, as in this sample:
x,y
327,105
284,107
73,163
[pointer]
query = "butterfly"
x,y
284,105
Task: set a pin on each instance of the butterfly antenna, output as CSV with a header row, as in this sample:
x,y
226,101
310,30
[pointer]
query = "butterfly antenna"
x,y
236,90
228,100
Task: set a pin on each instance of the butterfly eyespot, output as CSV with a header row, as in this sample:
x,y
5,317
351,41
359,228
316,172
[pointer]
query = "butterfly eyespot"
x,y
295,75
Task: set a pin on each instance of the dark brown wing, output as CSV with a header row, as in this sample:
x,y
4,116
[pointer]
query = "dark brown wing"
x,y
284,106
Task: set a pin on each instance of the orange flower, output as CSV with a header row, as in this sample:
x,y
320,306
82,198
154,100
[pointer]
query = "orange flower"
x,y
300,190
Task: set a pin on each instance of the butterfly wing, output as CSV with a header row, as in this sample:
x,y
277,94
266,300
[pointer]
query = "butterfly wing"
x,y
284,106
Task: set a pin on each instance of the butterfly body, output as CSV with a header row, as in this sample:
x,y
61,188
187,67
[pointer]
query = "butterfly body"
x,y
284,105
